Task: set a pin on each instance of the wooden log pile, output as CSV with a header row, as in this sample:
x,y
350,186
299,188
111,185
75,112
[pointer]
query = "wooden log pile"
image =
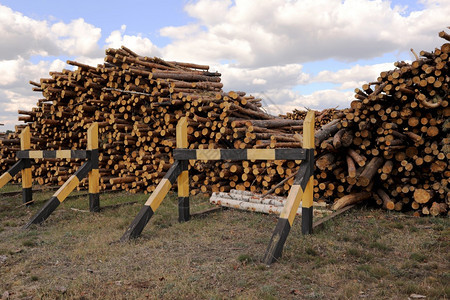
x,y
137,102
321,117
391,146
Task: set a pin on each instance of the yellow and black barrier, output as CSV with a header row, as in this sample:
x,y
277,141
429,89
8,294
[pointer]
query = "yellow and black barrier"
x,y
153,202
25,155
301,190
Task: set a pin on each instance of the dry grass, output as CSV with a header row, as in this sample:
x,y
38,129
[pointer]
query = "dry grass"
x,y
364,253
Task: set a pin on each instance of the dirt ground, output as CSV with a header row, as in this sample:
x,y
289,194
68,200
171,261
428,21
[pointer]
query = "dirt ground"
x,y
362,254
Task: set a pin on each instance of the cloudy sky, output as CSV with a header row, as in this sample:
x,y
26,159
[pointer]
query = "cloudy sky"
x,y
293,54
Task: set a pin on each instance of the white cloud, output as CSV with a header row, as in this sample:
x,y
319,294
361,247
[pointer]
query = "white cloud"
x,y
281,101
77,37
9,71
139,44
16,73
354,76
23,36
274,32
215,10
262,79
15,91
18,101
259,81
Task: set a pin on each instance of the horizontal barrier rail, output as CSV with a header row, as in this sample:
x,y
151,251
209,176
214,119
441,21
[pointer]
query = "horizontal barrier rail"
x,y
71,154
240,154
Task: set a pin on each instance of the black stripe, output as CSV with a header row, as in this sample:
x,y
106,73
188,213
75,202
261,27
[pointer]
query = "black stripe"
x,y
307,220
276,244
306,169
309,154
183,209
27,195
94,202
22,154
138,224
17,167
290,154
93,156
174,172
83,171
301,174
44,212
26,164
184,165
49,154
184,154
233,154
79,154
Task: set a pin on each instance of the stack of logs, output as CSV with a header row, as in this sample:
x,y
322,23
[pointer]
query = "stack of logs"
x,y
391,145
321,117
137,102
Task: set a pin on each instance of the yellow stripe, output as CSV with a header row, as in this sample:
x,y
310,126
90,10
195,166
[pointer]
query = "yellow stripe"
x,y
27,181
264,154
63,154
292,203
308,197
158,195
182,140
67,188
208,154
92,137
94,176
25,139
4,179
183,184
308,130
35,154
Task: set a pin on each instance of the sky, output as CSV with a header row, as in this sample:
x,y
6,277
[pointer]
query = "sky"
x,y
291,53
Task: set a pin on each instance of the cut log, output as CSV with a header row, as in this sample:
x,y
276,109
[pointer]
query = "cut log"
x,y
350,199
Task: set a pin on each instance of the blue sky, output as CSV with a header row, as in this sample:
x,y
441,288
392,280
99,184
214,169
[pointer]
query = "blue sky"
x,y
141,16
298,53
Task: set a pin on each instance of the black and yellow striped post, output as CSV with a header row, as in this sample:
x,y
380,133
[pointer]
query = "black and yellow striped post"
x,y
16,168
307,201
183,178
27,181
153,202
94,175
61,194
301,191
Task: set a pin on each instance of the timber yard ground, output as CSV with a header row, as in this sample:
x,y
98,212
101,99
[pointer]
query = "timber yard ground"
x,y
364,253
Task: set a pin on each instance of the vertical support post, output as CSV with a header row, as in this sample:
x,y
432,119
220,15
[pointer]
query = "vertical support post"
x,y
16,168
153,202
27,181
307,201
183,178
301,191
60,195
94,175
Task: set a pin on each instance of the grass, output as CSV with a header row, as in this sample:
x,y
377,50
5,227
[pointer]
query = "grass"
x,y
75,255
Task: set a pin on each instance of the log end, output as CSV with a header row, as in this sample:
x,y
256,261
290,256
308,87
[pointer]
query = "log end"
x,y
421,196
